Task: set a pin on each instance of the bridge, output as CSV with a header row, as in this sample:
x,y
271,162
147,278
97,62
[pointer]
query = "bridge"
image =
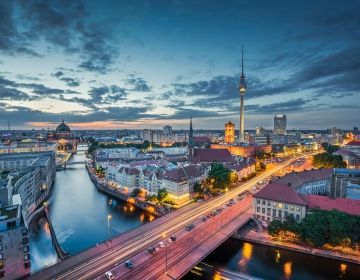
x,y
176,258
60,252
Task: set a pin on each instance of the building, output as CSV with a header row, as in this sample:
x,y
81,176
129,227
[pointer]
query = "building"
x,y
244,151
179,182
315,181
14,243
258,140
31,176
229,133
27,146
352,160
242,90
63,138
277,201
260,131
167,129
342,179
212,155
280,124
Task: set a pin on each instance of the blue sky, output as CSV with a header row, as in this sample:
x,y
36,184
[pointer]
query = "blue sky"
x,y
144,64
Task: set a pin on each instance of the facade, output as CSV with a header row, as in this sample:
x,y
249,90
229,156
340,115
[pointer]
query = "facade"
x,y
280,124
167,129
244,151
229,133
258,140
27,147
276,202
62,137
316,181
243,168
352,159
14,243
260,131
342,178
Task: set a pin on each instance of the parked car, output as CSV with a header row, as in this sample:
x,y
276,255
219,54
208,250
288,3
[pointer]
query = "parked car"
x,y
172,238
190,227
109,275
161,244
129,264
204,219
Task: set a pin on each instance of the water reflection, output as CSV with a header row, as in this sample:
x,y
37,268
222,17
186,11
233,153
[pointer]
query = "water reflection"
x,y
270,263
76,208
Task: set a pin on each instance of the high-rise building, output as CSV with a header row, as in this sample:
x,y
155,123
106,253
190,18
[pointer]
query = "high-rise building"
x,y
242,90
280,124
167,129
260,131
229,133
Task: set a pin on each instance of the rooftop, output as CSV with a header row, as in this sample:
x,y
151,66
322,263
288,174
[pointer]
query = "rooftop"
x,y
213,155
280,192
349,206
354,143
297,179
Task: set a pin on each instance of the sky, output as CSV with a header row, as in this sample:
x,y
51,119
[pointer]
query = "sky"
x,y
145,64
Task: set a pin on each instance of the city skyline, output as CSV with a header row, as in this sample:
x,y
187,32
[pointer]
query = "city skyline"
x,y
138,65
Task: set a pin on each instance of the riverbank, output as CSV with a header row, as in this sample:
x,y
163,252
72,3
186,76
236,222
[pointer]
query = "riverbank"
x,y
264,238
101,185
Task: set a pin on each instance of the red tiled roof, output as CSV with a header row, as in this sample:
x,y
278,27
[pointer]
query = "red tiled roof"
x,y
183,173
354,143
212,155
349,206
299,178
280,192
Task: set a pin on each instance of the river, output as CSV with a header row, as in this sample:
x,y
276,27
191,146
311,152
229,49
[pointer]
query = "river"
x,y
79,216
270,263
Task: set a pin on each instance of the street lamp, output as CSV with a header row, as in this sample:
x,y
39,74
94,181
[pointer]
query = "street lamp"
x,y
108,224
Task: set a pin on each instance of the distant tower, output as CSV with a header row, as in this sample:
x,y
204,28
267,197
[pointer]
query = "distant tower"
x,y
242,90
191,143
229,133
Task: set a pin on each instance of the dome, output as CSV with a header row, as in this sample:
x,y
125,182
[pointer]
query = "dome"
x,y
62,127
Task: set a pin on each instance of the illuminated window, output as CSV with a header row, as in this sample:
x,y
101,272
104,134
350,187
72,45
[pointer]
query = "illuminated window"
x,y
280,205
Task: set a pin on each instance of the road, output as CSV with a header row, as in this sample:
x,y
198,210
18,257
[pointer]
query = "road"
x,y
88,265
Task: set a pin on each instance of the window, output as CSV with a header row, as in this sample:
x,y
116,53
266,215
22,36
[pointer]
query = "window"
x,y
258,201
280,213
268,212
292,207
275,204
269,203
285,213
298,209
286,206
258,209
263,202
280,205
274,212
263,210
297,218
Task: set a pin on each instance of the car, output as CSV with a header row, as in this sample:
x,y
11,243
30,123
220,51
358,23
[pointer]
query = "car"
x,y
109,275
172,238
129,264
190,227
152,250
161,244
204,219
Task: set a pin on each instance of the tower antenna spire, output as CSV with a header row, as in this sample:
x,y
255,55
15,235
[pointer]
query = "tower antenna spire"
x,y
242,60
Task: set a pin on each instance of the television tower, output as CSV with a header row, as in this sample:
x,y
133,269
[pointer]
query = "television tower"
x,y
242,90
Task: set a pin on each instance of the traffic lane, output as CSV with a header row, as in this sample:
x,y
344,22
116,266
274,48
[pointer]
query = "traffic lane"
x,y
184,239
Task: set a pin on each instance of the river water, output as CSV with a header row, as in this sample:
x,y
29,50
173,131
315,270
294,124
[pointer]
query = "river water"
x,y
270,263
79,216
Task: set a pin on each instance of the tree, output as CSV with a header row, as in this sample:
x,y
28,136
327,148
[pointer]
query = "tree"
x,y
152,198
198,188
162,194
327,160
260,166
135,192
220,174
275,227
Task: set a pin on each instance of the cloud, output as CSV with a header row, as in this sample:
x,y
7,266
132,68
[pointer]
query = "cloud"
x,y
138,84
71,82
25,23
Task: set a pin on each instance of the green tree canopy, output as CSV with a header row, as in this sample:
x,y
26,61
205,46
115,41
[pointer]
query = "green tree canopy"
x,y
220,174
162,194
327,160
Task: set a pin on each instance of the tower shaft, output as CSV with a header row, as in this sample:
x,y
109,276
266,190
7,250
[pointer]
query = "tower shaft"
x,y
242,121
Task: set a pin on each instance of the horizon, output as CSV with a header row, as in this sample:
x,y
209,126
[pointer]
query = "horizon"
x,y
146,65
